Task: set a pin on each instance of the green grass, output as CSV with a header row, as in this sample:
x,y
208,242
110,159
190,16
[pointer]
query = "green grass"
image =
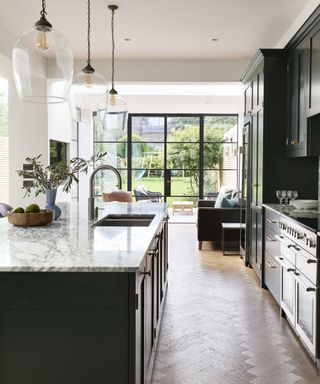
x,y
179,186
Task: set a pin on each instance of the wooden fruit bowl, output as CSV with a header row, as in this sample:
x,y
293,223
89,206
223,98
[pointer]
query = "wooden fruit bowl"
x,y
31,219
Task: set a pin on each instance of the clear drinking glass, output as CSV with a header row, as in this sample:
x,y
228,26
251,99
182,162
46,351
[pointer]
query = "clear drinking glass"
x,y
289,195
281,195
294,195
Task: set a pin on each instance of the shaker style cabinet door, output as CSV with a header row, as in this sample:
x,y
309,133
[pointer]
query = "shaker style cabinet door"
x,y
288,291
314,103
297,100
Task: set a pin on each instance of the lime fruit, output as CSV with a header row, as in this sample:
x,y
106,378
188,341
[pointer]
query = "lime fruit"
x,y
18,210
33,208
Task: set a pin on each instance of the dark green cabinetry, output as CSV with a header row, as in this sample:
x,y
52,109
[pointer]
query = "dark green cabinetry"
x,y
86,327
297,100
303,96
269,168
314,42
153,288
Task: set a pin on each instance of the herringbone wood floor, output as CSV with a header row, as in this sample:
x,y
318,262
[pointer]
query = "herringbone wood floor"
x,y
219,326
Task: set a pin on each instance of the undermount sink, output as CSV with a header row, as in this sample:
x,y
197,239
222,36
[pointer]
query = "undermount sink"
x,y
124,220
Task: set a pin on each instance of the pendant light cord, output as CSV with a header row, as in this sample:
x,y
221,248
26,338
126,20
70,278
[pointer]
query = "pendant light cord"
x,y
43,11
113,47
89,33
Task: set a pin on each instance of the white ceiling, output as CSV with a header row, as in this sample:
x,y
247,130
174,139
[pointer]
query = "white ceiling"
x,y
163,29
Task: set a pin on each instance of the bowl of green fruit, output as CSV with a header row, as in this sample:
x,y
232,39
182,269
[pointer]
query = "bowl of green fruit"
x,y
31,216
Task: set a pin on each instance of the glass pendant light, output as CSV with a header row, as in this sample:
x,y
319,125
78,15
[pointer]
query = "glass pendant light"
x,y
88,87
43,63
115,102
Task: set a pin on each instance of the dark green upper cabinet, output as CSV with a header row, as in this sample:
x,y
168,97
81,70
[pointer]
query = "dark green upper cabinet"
x,y
303,97
297,100
248,100
314,105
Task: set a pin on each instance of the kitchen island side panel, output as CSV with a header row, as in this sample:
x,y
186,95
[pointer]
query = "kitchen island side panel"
x,y
66,328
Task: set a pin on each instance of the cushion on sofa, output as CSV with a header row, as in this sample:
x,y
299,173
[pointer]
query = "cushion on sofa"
x,y
121,196
221,196
228,202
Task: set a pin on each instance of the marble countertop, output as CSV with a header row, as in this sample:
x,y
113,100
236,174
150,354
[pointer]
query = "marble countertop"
x,y
308,218
71,244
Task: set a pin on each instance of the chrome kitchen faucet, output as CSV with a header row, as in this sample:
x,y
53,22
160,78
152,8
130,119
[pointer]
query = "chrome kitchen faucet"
x,y
91,199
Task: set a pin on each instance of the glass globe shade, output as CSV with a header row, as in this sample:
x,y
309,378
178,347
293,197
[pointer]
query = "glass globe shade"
x,y
87,95
43,66
116,103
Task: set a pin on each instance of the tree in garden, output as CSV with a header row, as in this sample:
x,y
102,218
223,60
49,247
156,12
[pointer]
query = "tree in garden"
x,y
140,146
185,155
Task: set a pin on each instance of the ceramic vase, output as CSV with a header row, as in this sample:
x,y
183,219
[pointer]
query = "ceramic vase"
x,y
51,202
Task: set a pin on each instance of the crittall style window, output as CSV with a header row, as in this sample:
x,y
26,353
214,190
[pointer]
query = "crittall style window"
x,y
181,156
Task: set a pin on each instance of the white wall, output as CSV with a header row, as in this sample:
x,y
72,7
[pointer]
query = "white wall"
x,y
297,24
170,70
85,151
59,128
28,133
28,136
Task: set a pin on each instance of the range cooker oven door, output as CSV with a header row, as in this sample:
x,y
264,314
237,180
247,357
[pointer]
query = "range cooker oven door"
x,y
306,295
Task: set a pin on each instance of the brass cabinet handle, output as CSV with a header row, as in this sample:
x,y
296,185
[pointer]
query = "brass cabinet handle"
x,y
146,273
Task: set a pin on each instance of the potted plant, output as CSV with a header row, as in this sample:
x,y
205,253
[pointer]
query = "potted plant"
x,y
46,179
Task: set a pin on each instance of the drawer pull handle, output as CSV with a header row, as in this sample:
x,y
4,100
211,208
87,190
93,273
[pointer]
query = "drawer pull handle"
x,y
293,246
297,273
271,221
270,265
280,258
290,270
309,289
270,238
310,261
146,273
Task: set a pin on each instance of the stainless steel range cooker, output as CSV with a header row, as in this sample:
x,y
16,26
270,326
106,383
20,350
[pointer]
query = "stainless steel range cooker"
x,y
296,262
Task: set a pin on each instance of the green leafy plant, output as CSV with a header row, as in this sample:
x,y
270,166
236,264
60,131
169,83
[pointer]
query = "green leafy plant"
x,y
51,176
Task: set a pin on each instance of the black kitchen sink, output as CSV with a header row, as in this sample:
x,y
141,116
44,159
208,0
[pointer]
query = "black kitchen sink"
x,y
124,220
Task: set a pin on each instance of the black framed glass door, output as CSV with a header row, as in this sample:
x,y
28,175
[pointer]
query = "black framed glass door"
x,y
184,157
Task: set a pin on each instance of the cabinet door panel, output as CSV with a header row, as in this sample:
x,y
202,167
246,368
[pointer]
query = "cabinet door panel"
x,y
292,129
288,292
259,159
302,94
248,100
148,315
315,71
254,156
259,241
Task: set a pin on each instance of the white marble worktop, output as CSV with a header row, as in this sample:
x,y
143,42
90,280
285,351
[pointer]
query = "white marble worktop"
x,y
71,244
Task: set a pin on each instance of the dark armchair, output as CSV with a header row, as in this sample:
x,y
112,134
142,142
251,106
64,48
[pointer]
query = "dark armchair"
x,y
141,193
210,219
